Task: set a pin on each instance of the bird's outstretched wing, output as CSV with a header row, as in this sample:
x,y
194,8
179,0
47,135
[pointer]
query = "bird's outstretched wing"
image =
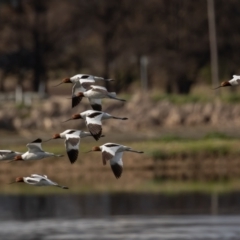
x,y
72,143
108,151
94,124
38,176
117,164
96,104
86,83
35,146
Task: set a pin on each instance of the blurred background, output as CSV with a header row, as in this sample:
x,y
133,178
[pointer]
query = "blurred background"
x,y
165,57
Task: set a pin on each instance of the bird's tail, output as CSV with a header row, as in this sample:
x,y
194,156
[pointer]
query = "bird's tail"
x,y
131,150
104,79
113,95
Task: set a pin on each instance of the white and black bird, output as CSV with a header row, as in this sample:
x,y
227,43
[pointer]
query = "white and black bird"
x,y
38,180
233,82
82,82
89,78
95,93
8,154
35,152
113,152
72,141
93,120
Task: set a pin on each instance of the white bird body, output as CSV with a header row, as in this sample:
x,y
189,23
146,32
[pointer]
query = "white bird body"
x,y
38,180
104,115
77,77
72,141
76,132
82,86
235,80
8,154
36,155
94,94
35,152
98,92
113,152
93,120
82,82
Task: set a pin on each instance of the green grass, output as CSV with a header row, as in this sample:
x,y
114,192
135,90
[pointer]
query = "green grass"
x,y
201,94
180,99
214,145
153,186
175,187
175,147
231,98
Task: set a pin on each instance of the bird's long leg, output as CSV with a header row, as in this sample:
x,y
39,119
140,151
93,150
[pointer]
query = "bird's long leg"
x,y
120,118
131,150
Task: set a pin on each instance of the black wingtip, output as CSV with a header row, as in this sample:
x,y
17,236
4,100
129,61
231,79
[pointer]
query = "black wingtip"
x,y
76,101
38,140
96,136
72,155
97,107
95,130
117,170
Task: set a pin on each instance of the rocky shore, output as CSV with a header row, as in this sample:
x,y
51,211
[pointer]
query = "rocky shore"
x,y
143,113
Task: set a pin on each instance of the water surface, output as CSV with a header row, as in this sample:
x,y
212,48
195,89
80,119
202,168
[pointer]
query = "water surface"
x,y
120,216
122,227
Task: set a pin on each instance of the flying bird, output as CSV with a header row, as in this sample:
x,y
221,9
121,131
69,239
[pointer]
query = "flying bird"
x,y
89,78
38,180
95,92
8,154
113,152
93,120
233,82
82,82
34,152
72,141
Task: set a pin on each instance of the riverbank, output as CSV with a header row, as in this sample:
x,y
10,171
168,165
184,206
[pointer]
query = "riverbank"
x,y
145,113
169,165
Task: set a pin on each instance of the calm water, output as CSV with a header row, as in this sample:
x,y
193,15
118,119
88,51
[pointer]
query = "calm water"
x,y
120,216
160,227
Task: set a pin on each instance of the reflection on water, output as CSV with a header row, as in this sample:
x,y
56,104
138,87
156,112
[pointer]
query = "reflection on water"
x,y
119,228
104,205
120,216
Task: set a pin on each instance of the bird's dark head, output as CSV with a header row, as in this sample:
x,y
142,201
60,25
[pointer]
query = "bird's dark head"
x,y
66,80
19,179
96,148
76,116
225,84
56,135
18,158
80,94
